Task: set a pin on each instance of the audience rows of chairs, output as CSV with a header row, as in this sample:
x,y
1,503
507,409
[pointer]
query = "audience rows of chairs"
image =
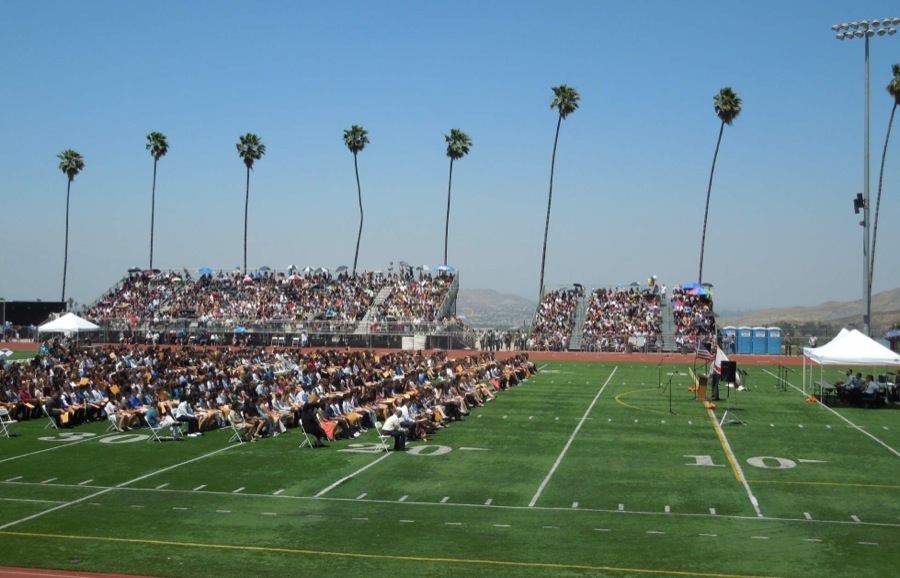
x,y
253,393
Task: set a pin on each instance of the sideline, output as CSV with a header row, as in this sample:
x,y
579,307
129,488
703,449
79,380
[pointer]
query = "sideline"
x,y
565,449
850,423
307,552
123,484
735,467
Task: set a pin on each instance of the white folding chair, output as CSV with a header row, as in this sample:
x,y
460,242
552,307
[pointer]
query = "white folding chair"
x,y
237,427
295,342
51,422
382,438
113,419
154,432
306,441
7,423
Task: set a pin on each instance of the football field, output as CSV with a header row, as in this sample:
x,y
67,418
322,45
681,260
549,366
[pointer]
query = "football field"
x,y
586,469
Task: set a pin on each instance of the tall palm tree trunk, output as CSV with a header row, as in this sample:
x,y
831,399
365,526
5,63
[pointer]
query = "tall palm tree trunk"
x,y
887,138
708,193
66,252
359,194
549,202
246,208
447,222
152,212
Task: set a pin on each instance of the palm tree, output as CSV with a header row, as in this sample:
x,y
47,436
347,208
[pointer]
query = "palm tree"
x,y
356,138
250,148
158,146
565,100
893,89
458,145
71,163
728,106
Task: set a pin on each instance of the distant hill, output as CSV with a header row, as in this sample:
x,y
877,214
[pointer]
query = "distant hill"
x,y
826,318
485,308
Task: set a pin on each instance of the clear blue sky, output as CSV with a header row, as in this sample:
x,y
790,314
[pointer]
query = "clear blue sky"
x,y
632,166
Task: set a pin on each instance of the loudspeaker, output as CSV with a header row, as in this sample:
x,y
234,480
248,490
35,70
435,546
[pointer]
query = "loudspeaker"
x,y
729,371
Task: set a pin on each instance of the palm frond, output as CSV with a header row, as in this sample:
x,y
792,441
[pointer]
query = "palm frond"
x,y
70,162
250,148
893,86
565,100
356,138
727,104
157,144
458,144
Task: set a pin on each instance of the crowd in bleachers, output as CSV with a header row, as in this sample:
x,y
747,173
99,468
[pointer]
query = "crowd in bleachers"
x,y
555,319
253,392
624,318
234,298
616,317
695,322
414,299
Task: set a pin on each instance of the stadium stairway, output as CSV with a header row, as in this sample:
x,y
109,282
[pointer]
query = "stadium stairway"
x,y
668,326
578,325
362,328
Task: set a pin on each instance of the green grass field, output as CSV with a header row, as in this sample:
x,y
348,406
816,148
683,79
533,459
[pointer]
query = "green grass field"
x,y
581,471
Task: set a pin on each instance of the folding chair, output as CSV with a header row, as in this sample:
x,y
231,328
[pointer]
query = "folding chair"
x,y
7,423
306,440
154,432
51,422
113,422
295,342
237,428
382,438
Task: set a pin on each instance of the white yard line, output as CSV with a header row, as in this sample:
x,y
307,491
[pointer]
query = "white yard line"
x,y
850,423
562,454
101,492
61,444
356,473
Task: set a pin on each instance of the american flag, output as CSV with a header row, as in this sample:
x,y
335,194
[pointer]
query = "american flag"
x,y
704,353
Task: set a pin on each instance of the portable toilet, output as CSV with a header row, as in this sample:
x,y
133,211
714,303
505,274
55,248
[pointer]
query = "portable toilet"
x,y
773,340
729,339
745,340
759,341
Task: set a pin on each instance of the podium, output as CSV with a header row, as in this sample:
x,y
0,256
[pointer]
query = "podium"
x,y
701,386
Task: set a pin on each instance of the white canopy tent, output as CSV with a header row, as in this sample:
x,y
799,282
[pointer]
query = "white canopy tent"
x,y
68,323
849,347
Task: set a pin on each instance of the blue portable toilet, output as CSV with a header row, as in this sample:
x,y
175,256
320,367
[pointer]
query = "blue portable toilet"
x,y
729,335
773,340
759,341
745,340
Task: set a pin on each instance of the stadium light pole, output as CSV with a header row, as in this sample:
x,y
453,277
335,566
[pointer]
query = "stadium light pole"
x,y
848,31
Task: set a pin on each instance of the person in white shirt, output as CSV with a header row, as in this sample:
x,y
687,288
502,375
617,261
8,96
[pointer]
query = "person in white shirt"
x,y
393,428
185,414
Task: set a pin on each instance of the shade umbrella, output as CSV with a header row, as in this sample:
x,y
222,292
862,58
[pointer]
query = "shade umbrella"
x,y
265,268
205,271
892,334
444,268
135,270
240,329
248,280
322,270
341,269
308,270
